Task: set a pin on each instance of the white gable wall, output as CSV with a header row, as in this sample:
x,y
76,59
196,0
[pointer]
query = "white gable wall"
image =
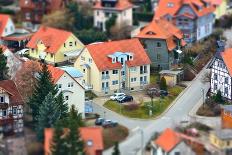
x,y
9,29
75,93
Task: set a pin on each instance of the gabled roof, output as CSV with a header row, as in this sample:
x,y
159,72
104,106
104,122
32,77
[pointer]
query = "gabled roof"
x,y
162,29
100,52
52,38
215,2
121,5
3,21
90,135
168,140
11,88
227,58
171,7
56,73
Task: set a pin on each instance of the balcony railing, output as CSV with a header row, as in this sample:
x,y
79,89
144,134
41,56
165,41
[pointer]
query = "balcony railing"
x,y
143,82
105,77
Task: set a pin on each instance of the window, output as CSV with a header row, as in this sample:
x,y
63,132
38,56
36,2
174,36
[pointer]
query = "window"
x,y
66,98
90,60
115,72
70,84
97,13
158,44
15,111
83,70
82,58
2,99
103,85
215,77
145,79
6,29
123,72
51,55
177,153
215,86
133,69
115,82
107,14
141,79
64,45
133,79
28,15
170,5
107,84
70,43
226,80
107,72
145,69
75,43
4,112
226,90
228,143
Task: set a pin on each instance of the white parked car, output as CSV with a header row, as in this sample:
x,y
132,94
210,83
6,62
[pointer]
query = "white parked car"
x,y
116,96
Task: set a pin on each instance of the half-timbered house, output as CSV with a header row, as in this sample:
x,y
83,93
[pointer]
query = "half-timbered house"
x,y
11,108
221,73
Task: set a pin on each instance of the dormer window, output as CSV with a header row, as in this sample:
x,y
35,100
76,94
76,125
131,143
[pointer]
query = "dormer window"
x,y
113,60
170,5
150,33
131,57
89,143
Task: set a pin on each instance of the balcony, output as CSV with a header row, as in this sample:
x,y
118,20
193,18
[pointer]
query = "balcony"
x,y
143,82
105,77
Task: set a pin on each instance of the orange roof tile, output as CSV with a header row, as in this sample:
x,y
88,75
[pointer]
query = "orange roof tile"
x,y
52,38
162,29
93,134
164,8
3,21
121,5
215,2
100,52
56,73
168,140
227,56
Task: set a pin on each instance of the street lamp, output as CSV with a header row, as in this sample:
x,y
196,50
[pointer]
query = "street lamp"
x,y
203,96
142,137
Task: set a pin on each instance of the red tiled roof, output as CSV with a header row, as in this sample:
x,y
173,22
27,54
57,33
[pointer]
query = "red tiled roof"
x,y
52,38
227,57
168,140
100,52
53,5
10,87
55,72
163,8
93,134
3,47
3,21
215,2
121,5
161,29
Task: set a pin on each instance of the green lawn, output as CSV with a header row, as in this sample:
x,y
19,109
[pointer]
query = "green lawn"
x,y
142,111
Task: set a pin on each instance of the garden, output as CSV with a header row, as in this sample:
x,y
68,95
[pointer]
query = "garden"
x,y
145,110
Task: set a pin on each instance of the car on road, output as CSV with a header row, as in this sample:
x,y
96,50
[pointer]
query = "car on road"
x,y
126,98
116,96
99,121
109,123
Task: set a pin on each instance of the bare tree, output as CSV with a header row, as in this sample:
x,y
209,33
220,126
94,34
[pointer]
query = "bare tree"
x,y
206,77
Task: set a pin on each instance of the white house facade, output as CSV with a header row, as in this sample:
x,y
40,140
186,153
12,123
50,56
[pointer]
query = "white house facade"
x,y
7,26
104,9
11,108
221,77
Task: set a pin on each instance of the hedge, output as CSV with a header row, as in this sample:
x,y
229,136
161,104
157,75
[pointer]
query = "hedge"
x,y
146,17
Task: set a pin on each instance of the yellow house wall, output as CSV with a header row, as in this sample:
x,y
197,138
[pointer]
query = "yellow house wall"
x,y
95,75
170,80
59,55
221,10
221,144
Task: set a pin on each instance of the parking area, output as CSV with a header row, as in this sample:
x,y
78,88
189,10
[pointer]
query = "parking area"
x,y
137,96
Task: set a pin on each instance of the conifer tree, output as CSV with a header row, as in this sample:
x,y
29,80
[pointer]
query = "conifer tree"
x,y
43,87
3,66
48,114
63,106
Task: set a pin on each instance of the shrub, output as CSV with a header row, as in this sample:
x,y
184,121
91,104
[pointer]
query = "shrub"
x,y
131,106
163,84
146,17
35,148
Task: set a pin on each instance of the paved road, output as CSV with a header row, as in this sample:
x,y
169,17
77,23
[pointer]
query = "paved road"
x,y
177,113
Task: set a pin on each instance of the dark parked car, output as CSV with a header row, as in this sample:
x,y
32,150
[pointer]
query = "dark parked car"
x,y
99,121
109,123
125,99
163,93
